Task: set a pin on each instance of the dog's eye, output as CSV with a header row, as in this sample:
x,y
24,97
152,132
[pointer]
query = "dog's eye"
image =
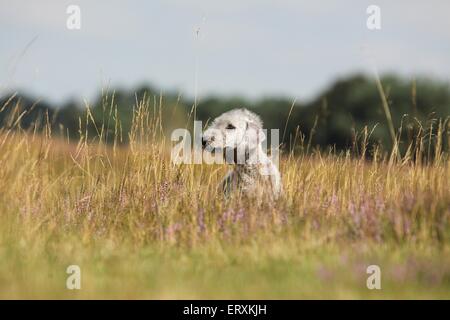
x,y
230,127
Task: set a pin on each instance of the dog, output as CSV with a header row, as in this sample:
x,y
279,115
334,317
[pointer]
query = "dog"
x,y
238,135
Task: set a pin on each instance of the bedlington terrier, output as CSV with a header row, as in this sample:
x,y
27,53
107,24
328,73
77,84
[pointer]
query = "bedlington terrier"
x,y
238,135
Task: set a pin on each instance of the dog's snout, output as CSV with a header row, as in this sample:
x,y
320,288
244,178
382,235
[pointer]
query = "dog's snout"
x,y
205,140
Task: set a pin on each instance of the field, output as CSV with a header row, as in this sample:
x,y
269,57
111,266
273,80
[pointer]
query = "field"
x,y
140,227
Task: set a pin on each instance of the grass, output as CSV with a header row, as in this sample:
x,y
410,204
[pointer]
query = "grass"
x,y
140,227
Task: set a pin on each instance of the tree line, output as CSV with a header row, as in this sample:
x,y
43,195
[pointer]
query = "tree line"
x,y
351,108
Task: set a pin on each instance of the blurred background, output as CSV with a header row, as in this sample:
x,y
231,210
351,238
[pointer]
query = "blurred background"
x,y
308,69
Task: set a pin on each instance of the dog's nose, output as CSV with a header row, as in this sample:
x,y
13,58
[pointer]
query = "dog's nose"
x,y
206,140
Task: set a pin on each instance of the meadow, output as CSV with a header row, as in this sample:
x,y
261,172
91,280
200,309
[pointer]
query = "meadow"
x,y
140,227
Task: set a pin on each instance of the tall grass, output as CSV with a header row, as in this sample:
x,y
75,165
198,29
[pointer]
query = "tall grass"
x,y
141,227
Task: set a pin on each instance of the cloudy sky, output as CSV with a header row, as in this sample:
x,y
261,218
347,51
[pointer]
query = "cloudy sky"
x,y
254,48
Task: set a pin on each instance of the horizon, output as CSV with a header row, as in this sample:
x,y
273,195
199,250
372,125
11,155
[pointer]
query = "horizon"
x,y
164,92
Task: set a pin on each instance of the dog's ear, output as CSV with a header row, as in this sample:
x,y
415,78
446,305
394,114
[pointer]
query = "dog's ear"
x,y
255,134
252,118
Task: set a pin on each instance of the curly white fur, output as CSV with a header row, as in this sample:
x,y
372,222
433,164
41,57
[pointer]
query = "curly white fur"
x,y
238,134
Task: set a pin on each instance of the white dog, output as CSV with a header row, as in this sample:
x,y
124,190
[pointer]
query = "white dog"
x,y
238,135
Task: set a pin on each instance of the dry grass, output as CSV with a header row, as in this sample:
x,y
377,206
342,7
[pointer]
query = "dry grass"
x,y
140,227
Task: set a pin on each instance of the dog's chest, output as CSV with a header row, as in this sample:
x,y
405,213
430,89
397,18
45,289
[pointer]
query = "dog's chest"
x,y
249,177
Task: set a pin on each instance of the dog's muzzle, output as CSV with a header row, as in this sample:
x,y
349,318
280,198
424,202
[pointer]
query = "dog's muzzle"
x,y
206,141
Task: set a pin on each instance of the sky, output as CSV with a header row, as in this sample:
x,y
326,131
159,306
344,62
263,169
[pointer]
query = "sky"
x,y
253,48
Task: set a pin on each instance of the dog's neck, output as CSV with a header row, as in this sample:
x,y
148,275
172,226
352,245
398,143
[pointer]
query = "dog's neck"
x,y
254,159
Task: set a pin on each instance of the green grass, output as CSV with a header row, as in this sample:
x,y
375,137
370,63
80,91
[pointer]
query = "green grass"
x,y
279,270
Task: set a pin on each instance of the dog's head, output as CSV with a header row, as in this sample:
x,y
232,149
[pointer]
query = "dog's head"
x,y
239,130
